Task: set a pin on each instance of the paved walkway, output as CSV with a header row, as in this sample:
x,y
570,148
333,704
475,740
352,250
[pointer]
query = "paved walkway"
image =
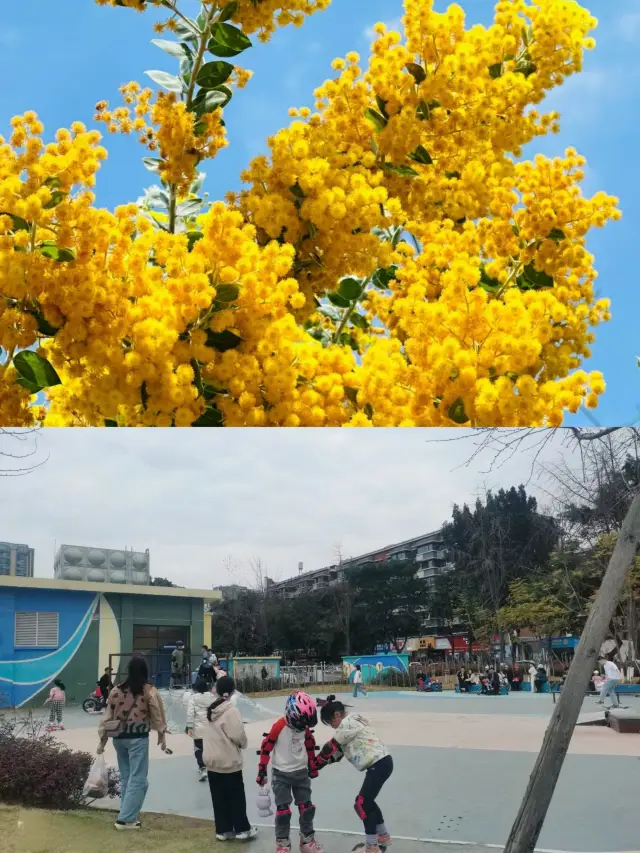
x,y
461,768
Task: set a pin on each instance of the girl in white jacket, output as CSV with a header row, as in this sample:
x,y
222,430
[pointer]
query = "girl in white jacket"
x,y
197,722
355,739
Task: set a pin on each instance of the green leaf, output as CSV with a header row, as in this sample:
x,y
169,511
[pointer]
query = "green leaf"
x,y
382,106
170,82
495,70
110,423
44,326
50,250
421,155
227,40
35,372
526,67
173,48
152,163
189,207
338,300
376,119
359,320
368,410
424,109
19,224
384,276
453,176
223,341
193,237
351,394
211,417
156,197
56,197
200,128
487,282
533,279
228,11
330,312
213,74
208,100
144,395
350,289
188,29
227,293
347,340
53,182
456,412
403,171
297,191
417,72
556,234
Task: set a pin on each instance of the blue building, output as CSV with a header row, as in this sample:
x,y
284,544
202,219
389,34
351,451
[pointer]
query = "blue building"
x,y
73,630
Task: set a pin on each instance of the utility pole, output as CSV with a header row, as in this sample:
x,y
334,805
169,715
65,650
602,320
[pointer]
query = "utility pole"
x,y
535,804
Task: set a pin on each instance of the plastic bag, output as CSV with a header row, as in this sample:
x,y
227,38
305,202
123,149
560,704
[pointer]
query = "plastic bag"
x,y
98,779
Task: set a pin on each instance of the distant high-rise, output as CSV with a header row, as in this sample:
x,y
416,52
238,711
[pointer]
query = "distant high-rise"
x,y
16,560
102,565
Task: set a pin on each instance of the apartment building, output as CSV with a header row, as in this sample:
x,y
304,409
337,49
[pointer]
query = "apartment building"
x,y
16,560
427,550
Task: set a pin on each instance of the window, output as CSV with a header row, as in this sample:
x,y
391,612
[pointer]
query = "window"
x,y
36,629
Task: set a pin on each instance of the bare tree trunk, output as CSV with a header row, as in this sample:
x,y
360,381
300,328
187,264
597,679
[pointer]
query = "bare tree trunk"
x,y
533,809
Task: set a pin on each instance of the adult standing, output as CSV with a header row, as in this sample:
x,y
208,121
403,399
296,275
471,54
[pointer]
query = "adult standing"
x,y
532,675
357,683
516,678
105,684
177,665
540,678
135,708
206,669
613,677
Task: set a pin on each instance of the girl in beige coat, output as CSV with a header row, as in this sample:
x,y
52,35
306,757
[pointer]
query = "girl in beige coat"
x,y
223,740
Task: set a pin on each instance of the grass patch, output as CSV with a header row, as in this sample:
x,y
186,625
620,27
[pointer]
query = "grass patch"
x,y
43,831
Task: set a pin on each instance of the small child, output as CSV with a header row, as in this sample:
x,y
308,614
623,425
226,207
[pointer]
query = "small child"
x,y
197,707
294,753
355,738
223,740
57,698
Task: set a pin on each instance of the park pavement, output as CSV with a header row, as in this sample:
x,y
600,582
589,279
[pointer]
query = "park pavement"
x,y
461,767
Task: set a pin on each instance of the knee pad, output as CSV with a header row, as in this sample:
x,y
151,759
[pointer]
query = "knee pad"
x,y
359,807
283,811
307,809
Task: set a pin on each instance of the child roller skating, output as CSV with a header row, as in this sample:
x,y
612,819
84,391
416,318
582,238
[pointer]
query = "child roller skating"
x,y
354,738
294,753
57,698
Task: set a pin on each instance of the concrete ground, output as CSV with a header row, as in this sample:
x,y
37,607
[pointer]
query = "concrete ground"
x,y
461,768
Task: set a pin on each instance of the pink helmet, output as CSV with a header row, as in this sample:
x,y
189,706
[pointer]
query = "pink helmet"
x,y
300,711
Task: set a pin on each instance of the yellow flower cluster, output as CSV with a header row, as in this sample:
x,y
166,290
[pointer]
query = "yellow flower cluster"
x,y
261,16
167,126
486,308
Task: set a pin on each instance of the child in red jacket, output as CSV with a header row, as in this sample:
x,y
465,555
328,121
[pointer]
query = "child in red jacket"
x,y
293,747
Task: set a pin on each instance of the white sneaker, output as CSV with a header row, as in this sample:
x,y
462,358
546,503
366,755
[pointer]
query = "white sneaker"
x,y
226,836
248,835
203,774
121,825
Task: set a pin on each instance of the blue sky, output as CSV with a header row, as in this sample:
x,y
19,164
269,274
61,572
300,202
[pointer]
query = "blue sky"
x,y
61,64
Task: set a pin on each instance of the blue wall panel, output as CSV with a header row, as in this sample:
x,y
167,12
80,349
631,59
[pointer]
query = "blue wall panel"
x,y
24,672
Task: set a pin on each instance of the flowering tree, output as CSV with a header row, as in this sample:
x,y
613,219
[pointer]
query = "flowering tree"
x,y
391,262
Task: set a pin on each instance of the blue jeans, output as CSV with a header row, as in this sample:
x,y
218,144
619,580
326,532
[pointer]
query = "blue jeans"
x,y
133,764
609,691
356,688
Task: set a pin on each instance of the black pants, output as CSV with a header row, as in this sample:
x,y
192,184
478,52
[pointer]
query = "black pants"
x,y
229,802
197,751
366,807
515,685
